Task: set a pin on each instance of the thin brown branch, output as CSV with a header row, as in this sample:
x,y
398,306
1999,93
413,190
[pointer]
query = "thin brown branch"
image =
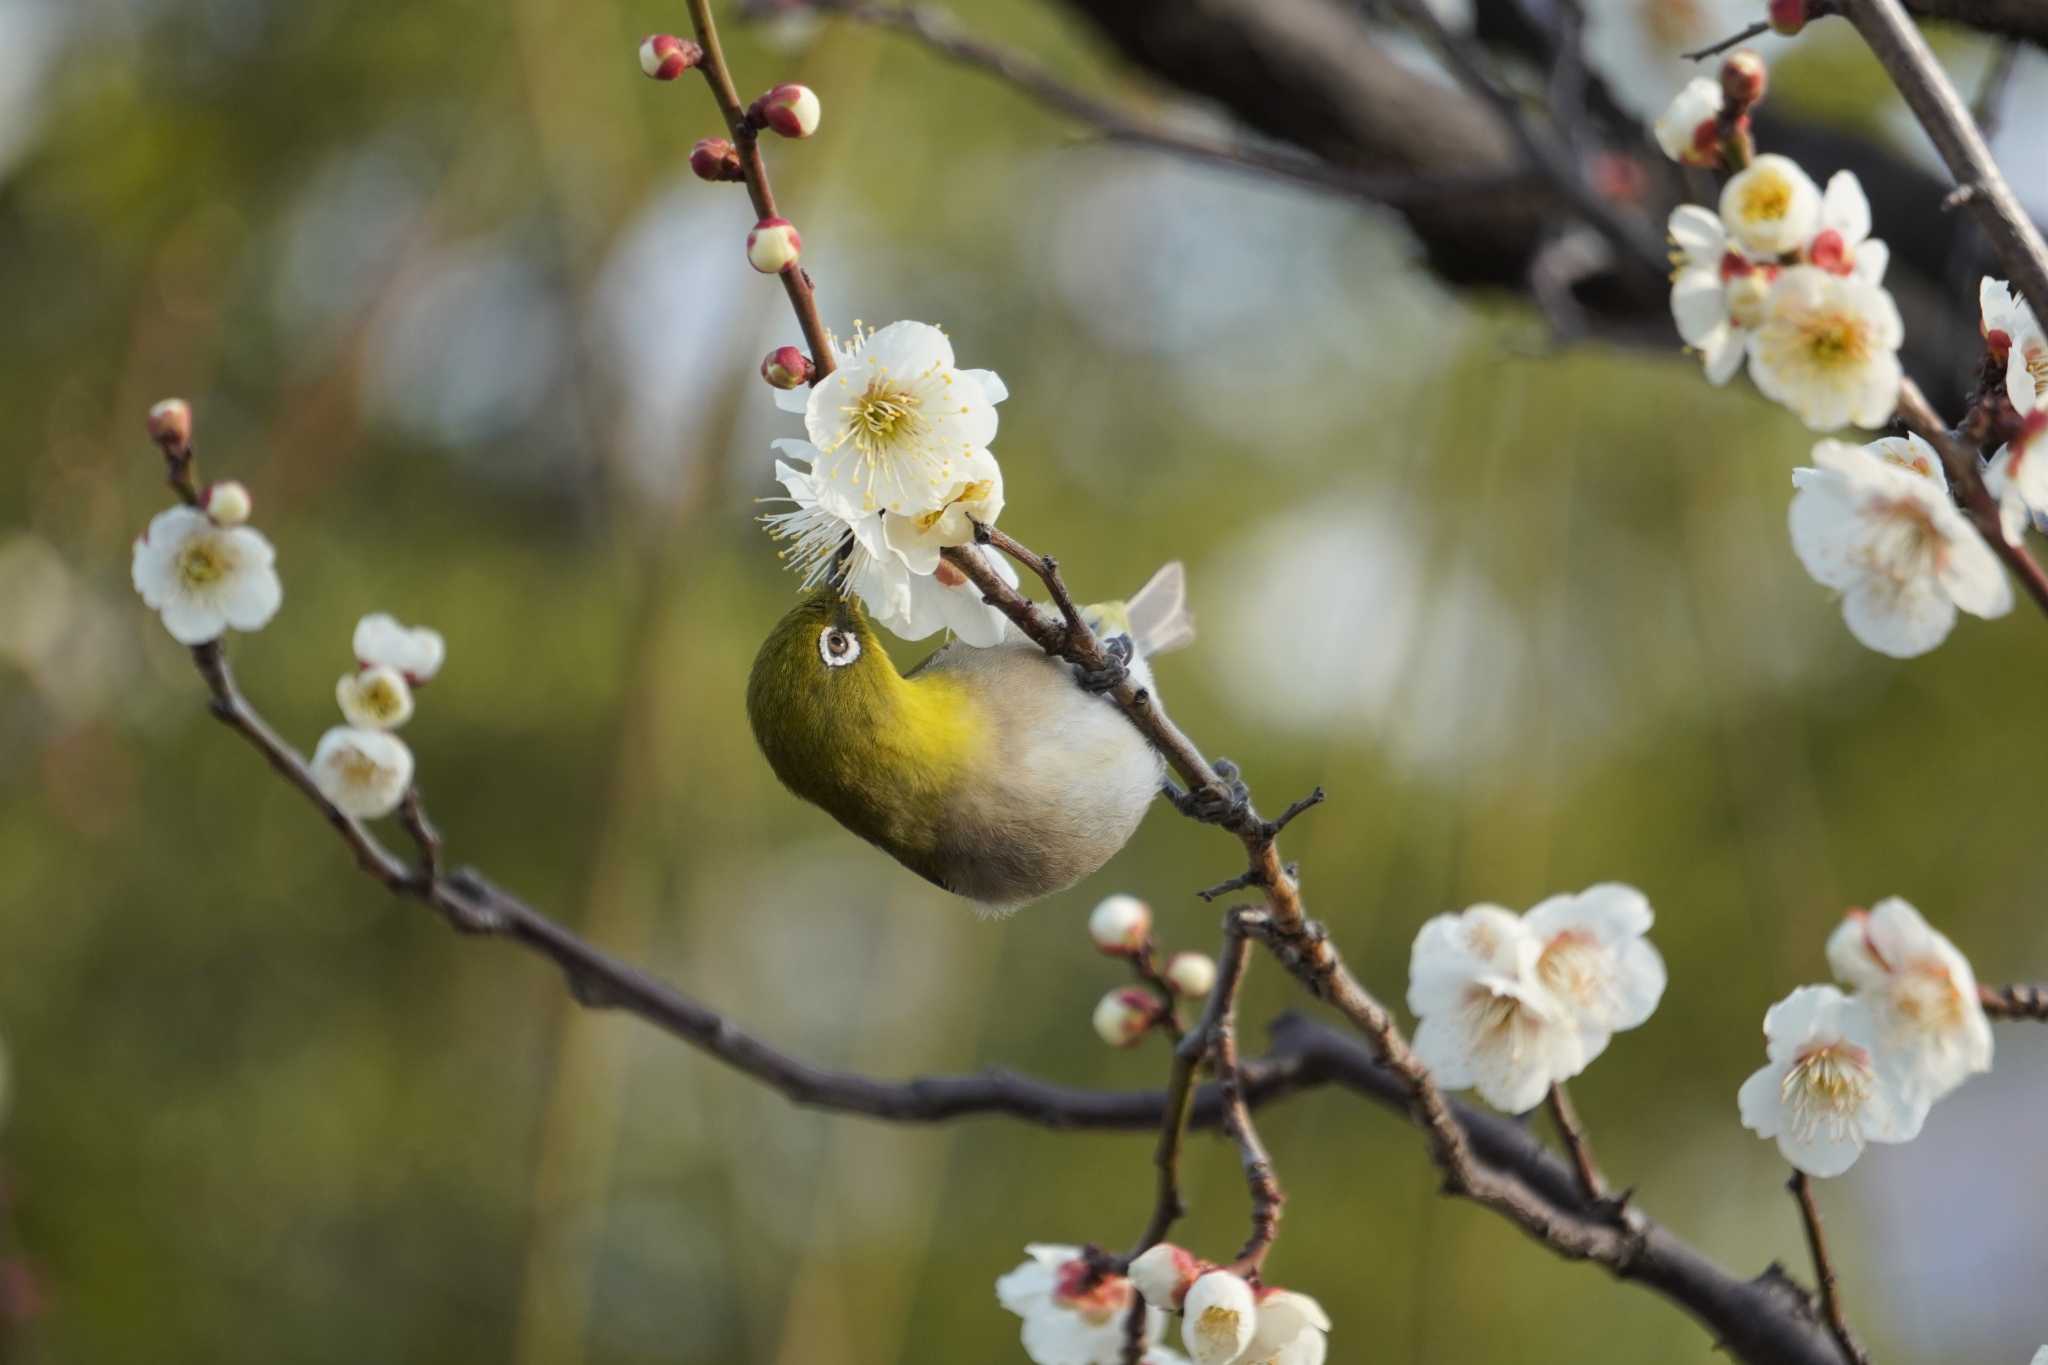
x,y
1906,58
1573,1134
1801,1186
1966,481
1145,966
2017,1001
412,815
1261,1184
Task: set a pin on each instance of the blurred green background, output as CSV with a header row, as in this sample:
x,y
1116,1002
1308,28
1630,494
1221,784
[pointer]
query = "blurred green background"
x,y
444,295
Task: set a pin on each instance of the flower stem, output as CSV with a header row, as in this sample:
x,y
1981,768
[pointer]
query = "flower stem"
x,y
1801,1186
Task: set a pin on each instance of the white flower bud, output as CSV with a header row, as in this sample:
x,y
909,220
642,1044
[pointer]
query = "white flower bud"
x,y
170,425
1192,973
791,110
363,773
1123,1016
1747,294
1678,127
664,56
417,652
227,502
1120,924
1219,1320
773,246
375,698
1162,1273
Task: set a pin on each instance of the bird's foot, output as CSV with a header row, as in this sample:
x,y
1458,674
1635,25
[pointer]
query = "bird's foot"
x,y
1229,806
1116,666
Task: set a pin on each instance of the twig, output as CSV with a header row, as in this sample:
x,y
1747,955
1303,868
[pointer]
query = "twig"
x,y
2018,1001
1145,966
1755,30
1905,56
1261,1184
1801,1186
1966,479
412,814
1573,1135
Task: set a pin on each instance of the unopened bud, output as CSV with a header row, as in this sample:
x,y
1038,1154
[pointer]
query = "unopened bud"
x,y
665,56
713,158
791,110
1744,78
1162,1273
227,502
1120,924
170,425
786,368
1746,296
1123,1016
1788,16
1192,973
773,246
1830,252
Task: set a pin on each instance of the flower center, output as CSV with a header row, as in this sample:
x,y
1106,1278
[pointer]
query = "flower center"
x,y
1217,1326
356,767
1834,341
1573,965
202,562
1908,545
1499,1020
883,415
380,696
1766,199
1825,1089
2037,369
1925,995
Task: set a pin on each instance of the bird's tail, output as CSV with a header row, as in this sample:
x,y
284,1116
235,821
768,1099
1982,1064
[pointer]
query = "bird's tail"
x,y
1158,612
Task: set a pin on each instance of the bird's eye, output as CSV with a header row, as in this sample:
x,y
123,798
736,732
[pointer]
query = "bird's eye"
x,y
837,648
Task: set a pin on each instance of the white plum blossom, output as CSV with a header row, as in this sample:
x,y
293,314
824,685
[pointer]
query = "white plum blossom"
x,y
1163,1272
1843,244
1071,1316
202,578
911,604
1913,455
1920,991
417,651
1828,1088
2013,334
1684,130
1717,291
1487,1020
1636,45
375,698
2018,477
1890,541
1218,1317
896,424
1771,206
362,773
1828,349
1595,960
1293,1329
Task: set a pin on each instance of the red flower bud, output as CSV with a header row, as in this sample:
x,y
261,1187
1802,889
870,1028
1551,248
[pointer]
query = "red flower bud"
x,y
1788,16
665,56
1828,251
787,368
713,158
1744,78
791,110
170,425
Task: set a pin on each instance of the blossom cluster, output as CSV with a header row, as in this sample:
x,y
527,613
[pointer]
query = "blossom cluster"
x,y
1074,1311
362,767
1844,1070
1510,1005
1121,926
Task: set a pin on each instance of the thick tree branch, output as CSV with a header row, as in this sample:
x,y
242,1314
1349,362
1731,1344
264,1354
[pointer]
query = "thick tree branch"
x,y
2026,20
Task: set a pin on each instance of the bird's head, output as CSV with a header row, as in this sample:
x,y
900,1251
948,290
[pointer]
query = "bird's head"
x,y
822,684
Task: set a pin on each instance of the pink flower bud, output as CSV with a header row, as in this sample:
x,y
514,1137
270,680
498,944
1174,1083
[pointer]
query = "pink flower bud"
x,y
1998,342
1744,78
773,246
1788,16
713,158
1191,973
1123,1016
227,502
787,368
1120,924
1828,251
791,110
1163,1273
170,425
665,56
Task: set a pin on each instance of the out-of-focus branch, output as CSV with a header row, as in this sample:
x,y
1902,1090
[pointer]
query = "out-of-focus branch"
x,y
2026,20
1801,1186
2015,1001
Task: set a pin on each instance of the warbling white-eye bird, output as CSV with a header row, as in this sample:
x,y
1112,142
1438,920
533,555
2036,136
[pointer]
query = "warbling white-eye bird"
x,y
995,773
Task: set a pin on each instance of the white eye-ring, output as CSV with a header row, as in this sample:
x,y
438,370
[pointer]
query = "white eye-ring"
x,y
837,647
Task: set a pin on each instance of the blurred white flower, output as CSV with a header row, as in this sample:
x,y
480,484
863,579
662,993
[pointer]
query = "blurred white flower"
x,y
1124,1015
1596,961
1191,973
1826,1090
1771,206
1717,291
363,773
1890,541
375,698
1686,130
202,578
1120,923
226,502
1487,1020
1637,46
1912,454
417,652
1843,244
1921,992
1828,349
1293,1329
2011,330
1218,1318
1162,1273
2018,477
1070,1317
896,422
